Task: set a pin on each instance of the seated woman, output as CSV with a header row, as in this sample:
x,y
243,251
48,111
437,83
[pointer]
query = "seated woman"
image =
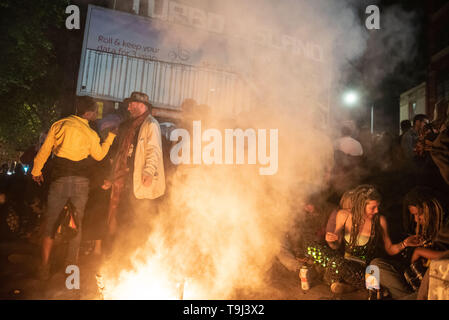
x,y
356,240
318,252
423,215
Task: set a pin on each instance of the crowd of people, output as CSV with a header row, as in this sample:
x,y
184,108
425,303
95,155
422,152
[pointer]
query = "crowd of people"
x,y
77,183
96,177
365,231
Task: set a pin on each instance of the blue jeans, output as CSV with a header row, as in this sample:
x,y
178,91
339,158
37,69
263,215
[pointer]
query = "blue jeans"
x,y
62,189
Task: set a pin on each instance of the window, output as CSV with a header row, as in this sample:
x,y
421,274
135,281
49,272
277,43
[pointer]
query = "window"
x,y
136,5
411,109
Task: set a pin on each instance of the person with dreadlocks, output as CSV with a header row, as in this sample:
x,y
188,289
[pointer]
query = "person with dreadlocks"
x,y
318,252
356,240
423,216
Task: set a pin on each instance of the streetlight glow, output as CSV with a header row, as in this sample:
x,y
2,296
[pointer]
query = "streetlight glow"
x,y
350,98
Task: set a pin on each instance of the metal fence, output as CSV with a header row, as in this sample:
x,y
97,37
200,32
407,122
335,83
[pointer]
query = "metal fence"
x,y
113,77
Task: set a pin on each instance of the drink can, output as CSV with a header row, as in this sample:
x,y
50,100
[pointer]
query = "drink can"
x,y
304,276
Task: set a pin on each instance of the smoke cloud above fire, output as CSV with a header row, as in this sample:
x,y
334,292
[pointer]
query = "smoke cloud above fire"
x,y
220,227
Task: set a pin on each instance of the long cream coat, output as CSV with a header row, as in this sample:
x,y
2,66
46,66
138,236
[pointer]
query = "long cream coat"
x,y
149,161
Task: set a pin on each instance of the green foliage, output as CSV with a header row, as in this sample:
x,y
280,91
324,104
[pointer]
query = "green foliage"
x,y
30,76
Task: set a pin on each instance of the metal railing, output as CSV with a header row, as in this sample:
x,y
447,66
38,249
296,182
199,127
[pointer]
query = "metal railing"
x,y
113,77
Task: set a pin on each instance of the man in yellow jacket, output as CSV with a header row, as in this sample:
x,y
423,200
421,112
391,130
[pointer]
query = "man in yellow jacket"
x,y
71,141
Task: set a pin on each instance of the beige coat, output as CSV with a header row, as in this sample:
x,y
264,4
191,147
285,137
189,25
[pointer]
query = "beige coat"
x,y
148,161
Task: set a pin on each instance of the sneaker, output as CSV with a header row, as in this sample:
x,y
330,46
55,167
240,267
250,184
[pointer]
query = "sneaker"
x,y
43,272
340,287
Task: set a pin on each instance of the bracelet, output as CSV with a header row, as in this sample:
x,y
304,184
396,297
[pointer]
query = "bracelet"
x,y
403,245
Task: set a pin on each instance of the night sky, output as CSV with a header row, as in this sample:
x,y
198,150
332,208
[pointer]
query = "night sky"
x,y
385,94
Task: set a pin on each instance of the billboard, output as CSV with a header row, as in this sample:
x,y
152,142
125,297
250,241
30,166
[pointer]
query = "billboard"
x,y
135,36
172,61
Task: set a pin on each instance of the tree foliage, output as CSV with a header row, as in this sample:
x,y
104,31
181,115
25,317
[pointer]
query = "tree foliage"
x,y
30,75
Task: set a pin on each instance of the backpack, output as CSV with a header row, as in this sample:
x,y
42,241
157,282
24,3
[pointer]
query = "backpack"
x,y
67,227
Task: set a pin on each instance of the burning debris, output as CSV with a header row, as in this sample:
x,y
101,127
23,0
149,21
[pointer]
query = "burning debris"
x,y
219,228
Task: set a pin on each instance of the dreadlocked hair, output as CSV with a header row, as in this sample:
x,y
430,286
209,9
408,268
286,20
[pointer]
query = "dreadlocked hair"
x,y
360,198
428,205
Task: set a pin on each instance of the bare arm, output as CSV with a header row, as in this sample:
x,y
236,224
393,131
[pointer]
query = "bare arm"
x,y
391,248
427,254
334,238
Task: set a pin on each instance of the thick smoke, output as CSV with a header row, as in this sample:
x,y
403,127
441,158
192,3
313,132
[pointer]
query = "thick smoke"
x,y
222,225
394,44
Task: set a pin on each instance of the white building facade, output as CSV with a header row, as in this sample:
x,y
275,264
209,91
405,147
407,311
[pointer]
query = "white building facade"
x,y
412,102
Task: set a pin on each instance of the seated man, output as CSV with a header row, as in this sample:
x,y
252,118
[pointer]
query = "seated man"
x,y
308,228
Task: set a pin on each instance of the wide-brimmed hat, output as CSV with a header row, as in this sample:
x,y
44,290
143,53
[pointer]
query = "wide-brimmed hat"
x,y
138,97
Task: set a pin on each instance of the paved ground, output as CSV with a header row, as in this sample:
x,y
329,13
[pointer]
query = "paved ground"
x,y
17,280
17,276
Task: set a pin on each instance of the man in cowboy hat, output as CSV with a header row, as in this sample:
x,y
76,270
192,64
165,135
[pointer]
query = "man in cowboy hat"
x,y
138,169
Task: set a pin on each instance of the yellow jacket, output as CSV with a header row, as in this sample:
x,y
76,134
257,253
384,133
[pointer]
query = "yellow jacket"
x,y
73,139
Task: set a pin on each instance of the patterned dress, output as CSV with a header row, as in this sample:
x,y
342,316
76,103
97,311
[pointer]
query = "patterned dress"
x,y
348,266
